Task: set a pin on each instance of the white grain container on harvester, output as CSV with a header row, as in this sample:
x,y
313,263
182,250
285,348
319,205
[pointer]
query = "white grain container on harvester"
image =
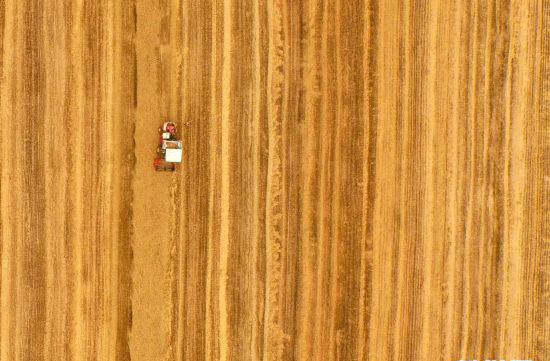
x,y
169,150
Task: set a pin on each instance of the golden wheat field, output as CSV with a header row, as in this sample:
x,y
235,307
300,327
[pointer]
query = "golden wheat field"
x,y
361,180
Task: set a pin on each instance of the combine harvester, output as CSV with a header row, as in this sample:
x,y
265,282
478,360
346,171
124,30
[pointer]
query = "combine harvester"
x,y
169,151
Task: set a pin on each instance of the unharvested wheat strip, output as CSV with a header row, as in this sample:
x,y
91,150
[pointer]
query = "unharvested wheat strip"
x,y
197,216
183,85
123,26
391,82
2,23
478,236
91,236
517,183
111,193
55,180
429,295
440,111
535,274
9,187
350,159
16,203
291,160
2,159
97,217
257,193
176,41
463,139
115,172
320,313
469,291
214,136
165,54
20,229
241,182
530,235
213,167
543,120
273,335
31,255
478,184
441,114
482,257
334,335
49,198
121,64
502,177
386,192
270,115
176,112
225,151
370,120
413,152
177,330
255,130
452,177
507,323
3,172
306,303
541,176
77,187
353,155
494,282
176,318
406,202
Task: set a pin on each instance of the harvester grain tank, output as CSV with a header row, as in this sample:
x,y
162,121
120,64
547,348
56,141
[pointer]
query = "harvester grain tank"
x,y
169,150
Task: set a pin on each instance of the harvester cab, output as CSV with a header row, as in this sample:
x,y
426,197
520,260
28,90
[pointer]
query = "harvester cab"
x,y
169,150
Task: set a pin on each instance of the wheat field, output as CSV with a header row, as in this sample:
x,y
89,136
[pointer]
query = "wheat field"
x,y
362,180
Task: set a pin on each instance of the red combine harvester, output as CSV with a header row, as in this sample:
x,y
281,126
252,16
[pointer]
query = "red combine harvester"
x,y
169,151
